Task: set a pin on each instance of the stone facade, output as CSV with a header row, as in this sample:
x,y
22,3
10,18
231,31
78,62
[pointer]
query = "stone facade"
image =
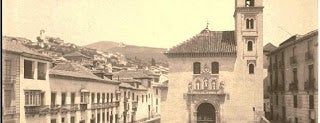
x,y
234,93
293,79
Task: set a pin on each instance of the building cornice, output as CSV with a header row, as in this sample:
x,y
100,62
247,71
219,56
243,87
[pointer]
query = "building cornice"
x,y
197,55
82,79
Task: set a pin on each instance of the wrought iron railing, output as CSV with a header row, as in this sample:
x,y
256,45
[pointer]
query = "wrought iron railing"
x,y
293,86
293,60
9,110
309,55
309,85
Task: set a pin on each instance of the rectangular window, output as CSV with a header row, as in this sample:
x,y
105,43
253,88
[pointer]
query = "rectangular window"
x,y
132,96
277,100
295,101
53,99
53,121
103,117
8,68
107,97
92,98
42,71
311,74
156,91
62,120
142,97
117,97
103,97
137,98
107,116
84,97
311,102
98,98
28,69
33,98
296,120
149,83
63,98
111,97
295,75
73,96
157,101
72,119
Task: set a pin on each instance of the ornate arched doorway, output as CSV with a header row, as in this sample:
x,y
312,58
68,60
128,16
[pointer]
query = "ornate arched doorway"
x,y
206,113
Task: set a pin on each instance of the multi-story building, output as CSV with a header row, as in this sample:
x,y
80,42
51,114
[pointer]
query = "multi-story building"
x,y
217,76
266,85
79,96
141,94
293,79
25,83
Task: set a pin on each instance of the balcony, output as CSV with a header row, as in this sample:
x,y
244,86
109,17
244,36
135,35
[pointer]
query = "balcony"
x,y
281,64
9,110
32,110
96,106
275,66
309,55
280,88
83,107
293,60
69,108
270,68
293,86
134,105
309,85
54,109
8,82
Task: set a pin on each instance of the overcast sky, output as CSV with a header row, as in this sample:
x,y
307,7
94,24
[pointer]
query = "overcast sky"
x,y
157,23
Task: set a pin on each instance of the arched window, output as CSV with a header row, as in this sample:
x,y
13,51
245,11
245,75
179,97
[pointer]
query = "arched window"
x,y
249,46
197,85
251,69
196,68
215,67
249,3
249,23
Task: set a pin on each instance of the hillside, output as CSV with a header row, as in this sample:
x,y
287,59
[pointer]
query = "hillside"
x,y
131,51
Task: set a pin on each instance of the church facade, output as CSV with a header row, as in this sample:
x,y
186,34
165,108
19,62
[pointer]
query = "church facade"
x,y
217,76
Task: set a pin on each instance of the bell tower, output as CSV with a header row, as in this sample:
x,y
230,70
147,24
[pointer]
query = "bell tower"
x,y
248,17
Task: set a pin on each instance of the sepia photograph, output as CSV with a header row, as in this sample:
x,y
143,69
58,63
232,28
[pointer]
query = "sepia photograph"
x,y
159,61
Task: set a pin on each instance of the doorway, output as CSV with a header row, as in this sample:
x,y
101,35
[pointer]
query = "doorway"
x,y
206,113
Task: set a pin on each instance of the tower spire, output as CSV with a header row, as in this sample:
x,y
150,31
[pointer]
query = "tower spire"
x,y
207,27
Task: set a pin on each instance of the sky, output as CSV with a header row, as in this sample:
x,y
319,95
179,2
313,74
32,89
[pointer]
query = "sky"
x,y
155,23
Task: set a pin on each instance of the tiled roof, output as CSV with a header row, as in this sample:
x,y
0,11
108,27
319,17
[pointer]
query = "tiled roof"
x,y
208,42
76,71
16,47
130,75
269,47
76,54
126,85
295,39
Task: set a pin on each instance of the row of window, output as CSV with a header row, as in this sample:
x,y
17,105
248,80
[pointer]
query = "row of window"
x,y
295,101
215,68
29,70
36,98
105,116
